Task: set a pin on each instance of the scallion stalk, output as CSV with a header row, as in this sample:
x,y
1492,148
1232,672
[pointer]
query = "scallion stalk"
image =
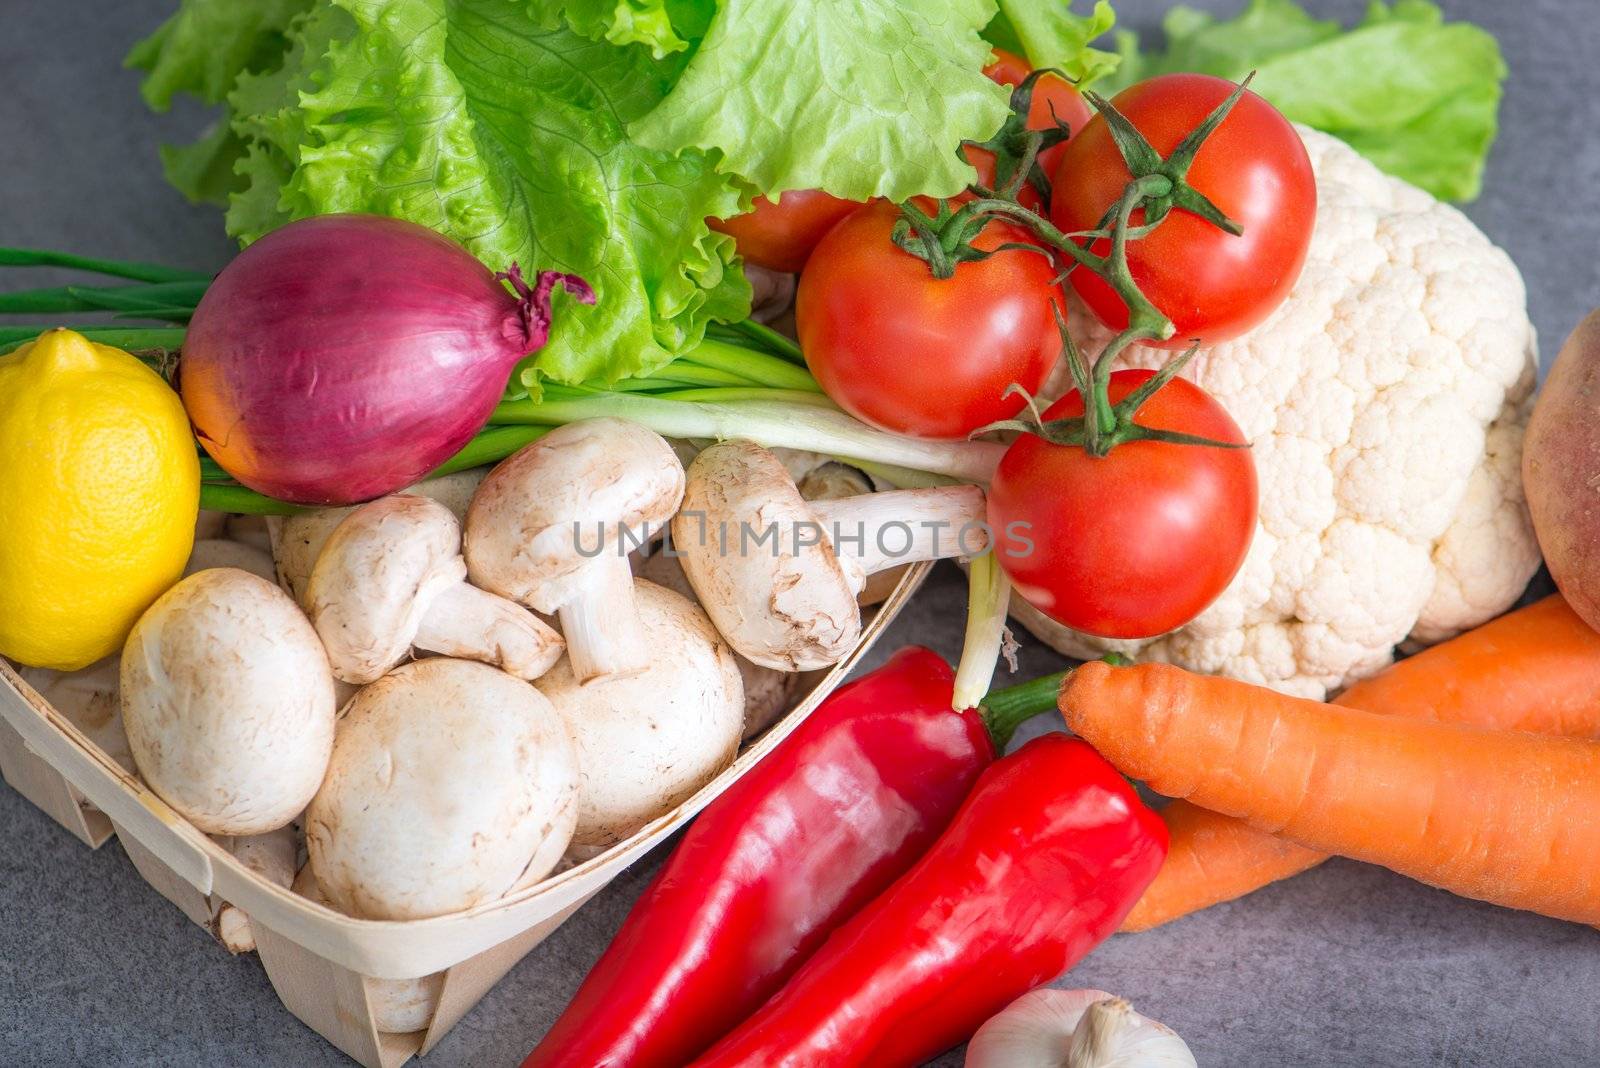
x,y
775,424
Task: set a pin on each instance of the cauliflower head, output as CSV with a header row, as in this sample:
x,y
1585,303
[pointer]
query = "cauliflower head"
x,y
1385,402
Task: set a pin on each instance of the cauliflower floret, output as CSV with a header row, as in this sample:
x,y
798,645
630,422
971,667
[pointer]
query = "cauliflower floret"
x,y
1385,402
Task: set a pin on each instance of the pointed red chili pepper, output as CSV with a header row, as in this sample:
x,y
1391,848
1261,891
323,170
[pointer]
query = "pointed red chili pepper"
x,y
1040,865
837,812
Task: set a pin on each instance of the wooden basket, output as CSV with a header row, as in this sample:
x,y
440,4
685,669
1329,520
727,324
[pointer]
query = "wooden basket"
x,y
324,965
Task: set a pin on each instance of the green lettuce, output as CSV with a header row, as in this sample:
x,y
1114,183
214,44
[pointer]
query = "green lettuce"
x,y
204,48
815,79
592,136
202,51
663,26
1415,94
1048,34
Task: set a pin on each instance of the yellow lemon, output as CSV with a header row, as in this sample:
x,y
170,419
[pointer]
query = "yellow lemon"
x,y
99,491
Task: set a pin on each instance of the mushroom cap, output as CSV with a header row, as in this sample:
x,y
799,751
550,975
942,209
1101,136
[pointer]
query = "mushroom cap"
x,y
227,700
375,578
297,540
768,693
449,779
648,739
586,482
782,604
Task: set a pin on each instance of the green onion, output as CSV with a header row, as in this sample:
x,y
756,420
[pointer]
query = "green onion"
x,y
757,368
764,336
243,501
774,423
988,599
140,272
120,337
491,445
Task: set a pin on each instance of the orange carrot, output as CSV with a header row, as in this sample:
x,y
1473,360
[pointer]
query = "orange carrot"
x,y
1212,858
1503,816
1535,669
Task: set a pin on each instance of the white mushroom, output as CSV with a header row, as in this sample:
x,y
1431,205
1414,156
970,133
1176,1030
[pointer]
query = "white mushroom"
x,y
398,1006
832,480
297,540
648,739
391,577
652,694
768,694
451,783
551,528
780,575
228,702
89,697
272,856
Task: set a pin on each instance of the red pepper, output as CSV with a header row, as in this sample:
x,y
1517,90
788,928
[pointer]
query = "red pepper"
x,y
838,811
1040,865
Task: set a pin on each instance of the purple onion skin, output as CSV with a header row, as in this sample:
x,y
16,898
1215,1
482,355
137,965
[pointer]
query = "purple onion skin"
x,y
343,357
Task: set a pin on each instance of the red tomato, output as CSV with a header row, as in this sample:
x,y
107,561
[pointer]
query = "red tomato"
x,y
1139,541
1211,284
779,236
905,351
1048,92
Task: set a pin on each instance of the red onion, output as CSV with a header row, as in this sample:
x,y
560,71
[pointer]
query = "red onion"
x,y
345,356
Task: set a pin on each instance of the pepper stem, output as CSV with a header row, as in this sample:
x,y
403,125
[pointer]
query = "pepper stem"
x,y
1003,711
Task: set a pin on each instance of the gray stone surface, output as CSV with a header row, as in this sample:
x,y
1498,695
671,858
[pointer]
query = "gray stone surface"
x,y
1345,966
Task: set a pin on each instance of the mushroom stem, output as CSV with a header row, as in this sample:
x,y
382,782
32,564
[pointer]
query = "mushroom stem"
x,y
875,531
601,621
464,621
272,856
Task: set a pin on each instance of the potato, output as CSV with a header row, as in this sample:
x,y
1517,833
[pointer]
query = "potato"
x,y
1561,469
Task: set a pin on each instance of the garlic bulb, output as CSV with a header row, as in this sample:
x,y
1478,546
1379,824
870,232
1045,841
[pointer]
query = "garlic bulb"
x,y
1075,1029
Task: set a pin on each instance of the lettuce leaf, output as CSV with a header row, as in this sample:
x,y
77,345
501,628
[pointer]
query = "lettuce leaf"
x,y
663,26
1048,34
203,50
466,116
1417,95
204,47
574,134
204,170
861,98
